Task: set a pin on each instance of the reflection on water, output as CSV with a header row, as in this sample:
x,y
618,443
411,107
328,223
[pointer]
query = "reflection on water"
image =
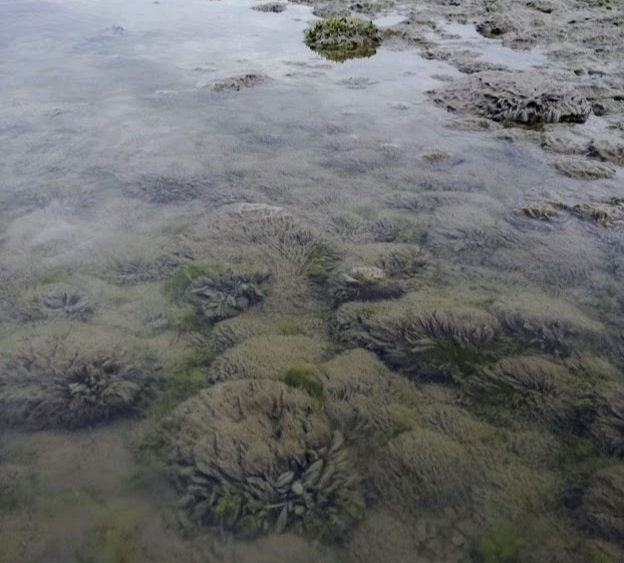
x,y
255,305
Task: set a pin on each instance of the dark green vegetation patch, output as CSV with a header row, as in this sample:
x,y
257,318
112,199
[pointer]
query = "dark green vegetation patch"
x,y
338,39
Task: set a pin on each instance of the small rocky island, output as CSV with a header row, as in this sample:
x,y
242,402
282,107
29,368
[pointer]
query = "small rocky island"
x,y
340,38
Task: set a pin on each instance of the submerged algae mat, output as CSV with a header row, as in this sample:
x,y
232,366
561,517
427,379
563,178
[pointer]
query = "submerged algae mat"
x,y
257,305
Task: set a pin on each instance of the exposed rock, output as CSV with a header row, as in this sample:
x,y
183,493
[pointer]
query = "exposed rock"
x,y
518,97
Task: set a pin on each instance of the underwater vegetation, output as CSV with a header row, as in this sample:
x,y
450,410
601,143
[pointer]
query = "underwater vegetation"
x,y
61,301
265,357
238,83
304,376
340,38
260,456
544,323
583,169
425,335
162,189
53,377
134,270
362,283
519,97
271,7
216,293
602,506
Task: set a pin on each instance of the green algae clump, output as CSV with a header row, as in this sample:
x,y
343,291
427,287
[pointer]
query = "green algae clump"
x,y
303,376
340,38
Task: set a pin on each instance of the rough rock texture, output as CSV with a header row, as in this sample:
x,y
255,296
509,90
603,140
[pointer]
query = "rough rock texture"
x,y
258,456
523,98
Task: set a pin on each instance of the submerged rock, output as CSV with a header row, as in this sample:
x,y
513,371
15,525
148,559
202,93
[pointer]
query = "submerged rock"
x,y
237,83
256,457
340,38
272,7
515,97
163,189
583,168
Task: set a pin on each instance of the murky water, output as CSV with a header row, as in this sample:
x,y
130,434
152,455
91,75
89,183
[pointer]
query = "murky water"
x,y
316,319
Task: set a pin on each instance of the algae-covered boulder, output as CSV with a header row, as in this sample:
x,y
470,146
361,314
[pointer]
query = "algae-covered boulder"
x,y
54,376
340,38
427,335
515,97
258,456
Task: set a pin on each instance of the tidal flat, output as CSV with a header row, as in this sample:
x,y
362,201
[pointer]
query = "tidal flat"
x,y
327,281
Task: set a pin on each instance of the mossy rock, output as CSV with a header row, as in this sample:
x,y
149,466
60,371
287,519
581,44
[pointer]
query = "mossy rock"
x,y
340,38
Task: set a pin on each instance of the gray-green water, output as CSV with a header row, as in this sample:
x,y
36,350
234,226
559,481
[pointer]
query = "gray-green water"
x,y
204,291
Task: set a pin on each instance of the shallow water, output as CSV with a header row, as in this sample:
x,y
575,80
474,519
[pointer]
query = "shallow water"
x,y
102,100
491,50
